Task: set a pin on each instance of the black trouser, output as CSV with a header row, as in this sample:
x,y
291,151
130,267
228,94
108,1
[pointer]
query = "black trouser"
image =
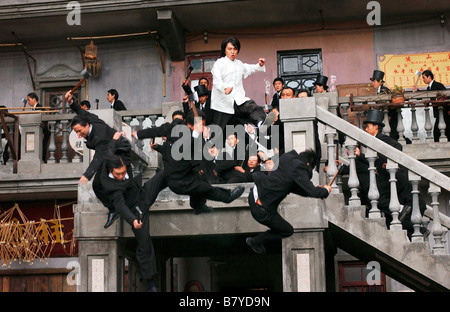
x,y
199,191
248,112
279,227
145,253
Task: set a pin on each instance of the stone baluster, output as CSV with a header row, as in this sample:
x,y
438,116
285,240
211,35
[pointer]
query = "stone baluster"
x,y
442,125
414,125
330,133
52,145
64,144
428,126
416,216
140,119
400,126
394,204
353,181
345,110
373,195
387,127
437,229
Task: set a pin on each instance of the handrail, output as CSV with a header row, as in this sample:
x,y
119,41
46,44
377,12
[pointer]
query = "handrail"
x,y
390,152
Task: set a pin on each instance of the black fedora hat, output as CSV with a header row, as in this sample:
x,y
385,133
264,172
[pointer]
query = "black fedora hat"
x,y
377,75
375,117
201,90
321,81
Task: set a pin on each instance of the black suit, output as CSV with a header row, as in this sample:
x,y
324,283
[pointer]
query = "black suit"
x,y
98,139
276,100
118,106
124,196
435,86
206,108
291,176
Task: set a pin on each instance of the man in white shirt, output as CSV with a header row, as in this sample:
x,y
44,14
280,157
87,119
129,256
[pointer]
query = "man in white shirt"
x,y
228,95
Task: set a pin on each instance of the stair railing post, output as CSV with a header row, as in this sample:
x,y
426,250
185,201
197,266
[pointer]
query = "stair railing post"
x,y
394,204
373,195
416,216
353,181
437,230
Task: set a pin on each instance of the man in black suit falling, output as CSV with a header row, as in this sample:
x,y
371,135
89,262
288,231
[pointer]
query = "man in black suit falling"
x,y
132,201
98,135
293,175
428,79
113,98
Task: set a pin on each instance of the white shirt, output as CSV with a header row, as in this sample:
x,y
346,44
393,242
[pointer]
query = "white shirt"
x,y
229,74
125,178
430,84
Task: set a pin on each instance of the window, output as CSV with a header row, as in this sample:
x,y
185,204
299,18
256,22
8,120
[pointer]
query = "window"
x,y
202,64
55,99
353,278
299,69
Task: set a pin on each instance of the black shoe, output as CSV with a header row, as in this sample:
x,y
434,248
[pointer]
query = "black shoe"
x,y
406,209
112,216
237,192
256,247
270,118
204,209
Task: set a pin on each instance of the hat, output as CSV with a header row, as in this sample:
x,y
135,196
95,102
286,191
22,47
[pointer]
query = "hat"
x,y
201,90
375,117
378,75
321,81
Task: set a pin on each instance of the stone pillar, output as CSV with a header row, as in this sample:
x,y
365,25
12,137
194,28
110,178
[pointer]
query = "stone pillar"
x,y
101,252
298,116
303,253
31,144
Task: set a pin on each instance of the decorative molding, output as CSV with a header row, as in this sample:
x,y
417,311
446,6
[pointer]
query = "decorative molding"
x,y
58,72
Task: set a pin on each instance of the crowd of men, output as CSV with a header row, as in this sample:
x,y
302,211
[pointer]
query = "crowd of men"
x,y
223,137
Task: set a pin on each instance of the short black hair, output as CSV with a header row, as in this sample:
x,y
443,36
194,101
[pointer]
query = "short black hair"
x,y
114,93
85,103
233,40
309,156
178,112
112,161
204,78
278,79
285,88
33,96
428,73
303,90
80,120
190,118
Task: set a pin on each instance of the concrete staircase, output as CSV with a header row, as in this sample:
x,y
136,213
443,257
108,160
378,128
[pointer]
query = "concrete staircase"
x,y
370,240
